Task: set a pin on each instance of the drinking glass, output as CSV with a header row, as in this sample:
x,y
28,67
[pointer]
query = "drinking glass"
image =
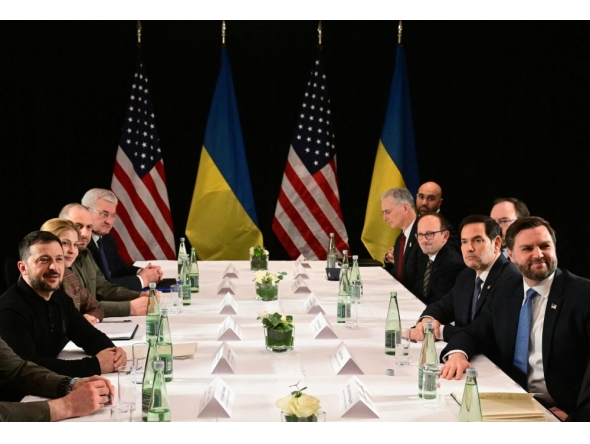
x,y
402,346
176,298
140,350
351,313
126,387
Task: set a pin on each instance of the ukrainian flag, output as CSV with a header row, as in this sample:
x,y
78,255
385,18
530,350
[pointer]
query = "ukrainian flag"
x,y
222,223
396,164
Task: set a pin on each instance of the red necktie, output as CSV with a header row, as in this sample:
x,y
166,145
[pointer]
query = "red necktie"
x,y
400,257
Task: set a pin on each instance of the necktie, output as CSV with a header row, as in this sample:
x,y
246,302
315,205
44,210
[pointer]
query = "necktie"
x,y
427,277
523,334
476,292
399,260
103,256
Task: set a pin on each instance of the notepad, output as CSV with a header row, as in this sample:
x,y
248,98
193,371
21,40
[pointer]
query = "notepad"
x,y
118,330
508,407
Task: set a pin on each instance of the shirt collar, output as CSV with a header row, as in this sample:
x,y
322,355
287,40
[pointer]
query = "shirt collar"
x,y
543,288
95,238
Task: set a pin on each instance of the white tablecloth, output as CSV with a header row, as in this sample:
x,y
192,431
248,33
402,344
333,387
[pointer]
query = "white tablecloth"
x,y
262,377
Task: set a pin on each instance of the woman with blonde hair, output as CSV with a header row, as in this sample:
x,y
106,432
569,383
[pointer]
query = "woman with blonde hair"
x,y
84,301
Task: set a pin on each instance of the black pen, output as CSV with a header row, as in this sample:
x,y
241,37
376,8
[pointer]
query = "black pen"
x,y
116,322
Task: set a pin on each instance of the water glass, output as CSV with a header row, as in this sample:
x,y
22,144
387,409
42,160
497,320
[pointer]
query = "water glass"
x,y
402,346
176,298
351,318
121,413
126,387
431,393
140,351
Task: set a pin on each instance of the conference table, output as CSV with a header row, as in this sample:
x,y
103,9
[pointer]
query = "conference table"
x,y
258,378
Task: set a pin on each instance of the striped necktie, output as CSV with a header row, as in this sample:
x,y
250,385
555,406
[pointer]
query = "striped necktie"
x,y
427,278
476,292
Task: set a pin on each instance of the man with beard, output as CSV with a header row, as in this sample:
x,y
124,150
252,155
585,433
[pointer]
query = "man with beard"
x,y
537,329
116,300
428,200
37,319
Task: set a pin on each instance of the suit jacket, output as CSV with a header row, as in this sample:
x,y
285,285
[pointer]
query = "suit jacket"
x,y
455,306
445,268
566,335
412,257
582,411
122,273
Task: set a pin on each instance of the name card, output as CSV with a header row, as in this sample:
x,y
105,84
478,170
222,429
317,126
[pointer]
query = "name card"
x,y
230,272
343,363
299,286
226,285
228,305
229,330
225,360
356,400
321,328
300,272
302,261
217,401
312,306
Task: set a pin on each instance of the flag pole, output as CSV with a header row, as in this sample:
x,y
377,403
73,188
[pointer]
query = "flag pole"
x,y
139,34
223,33
320,34
399,33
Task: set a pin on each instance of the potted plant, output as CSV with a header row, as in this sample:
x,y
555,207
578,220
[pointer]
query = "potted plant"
x,y
279,331
267,285
258,258
299,407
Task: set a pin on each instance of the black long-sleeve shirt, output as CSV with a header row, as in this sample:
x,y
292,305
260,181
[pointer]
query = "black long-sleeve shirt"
x,y
37,329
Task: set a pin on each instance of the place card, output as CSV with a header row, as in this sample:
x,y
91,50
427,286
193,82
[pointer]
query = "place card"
x,y
229,330
356,400
299,286
228,305
300,272
217,401
225,360
226,285
312,306
230,272
343,363
302,261
321,328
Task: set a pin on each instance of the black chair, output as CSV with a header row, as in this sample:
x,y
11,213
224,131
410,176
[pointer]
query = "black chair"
x,y
11,273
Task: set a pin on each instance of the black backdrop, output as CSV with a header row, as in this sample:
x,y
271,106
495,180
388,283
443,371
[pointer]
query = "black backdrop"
x,y
500,109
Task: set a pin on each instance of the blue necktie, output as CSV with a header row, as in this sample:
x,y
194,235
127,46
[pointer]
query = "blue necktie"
x,y
523,334
103,256
476,292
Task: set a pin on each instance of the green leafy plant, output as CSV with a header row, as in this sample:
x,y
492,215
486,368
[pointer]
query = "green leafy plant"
x,y
276,321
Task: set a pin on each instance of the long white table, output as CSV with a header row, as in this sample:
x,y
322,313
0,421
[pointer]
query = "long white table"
x,y
262,377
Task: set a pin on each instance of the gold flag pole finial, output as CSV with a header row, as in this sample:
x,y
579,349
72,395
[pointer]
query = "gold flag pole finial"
x,y
139,34
399,33
223,32
320,34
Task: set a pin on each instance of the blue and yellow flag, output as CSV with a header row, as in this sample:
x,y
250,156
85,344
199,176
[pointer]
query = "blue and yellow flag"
x,y
222,223
396,164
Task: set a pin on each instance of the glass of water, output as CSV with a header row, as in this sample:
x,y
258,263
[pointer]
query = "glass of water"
x,y
351,318
402,346
176,297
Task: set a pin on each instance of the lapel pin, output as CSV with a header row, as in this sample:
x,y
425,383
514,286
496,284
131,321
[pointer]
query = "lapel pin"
x,y
489,286
554,306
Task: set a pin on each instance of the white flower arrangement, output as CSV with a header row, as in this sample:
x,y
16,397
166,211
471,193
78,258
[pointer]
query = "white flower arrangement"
x,y
258,251
299,404
263,277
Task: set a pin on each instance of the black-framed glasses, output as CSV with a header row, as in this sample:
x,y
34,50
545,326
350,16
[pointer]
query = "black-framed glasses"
x,y
428,235
504,221
104,215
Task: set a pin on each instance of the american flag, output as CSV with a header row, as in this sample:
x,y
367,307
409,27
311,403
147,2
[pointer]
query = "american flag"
x,y
308,208
143,230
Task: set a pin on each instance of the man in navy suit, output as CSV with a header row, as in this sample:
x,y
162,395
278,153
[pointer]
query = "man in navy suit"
x,y
103,206
438,269
481,238
397,206
536,329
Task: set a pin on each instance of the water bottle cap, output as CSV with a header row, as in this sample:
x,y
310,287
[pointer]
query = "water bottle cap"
x,y
471,372
182,239
164,311
159,365
331,234
429,325
152,285
355,257
389,372
345,252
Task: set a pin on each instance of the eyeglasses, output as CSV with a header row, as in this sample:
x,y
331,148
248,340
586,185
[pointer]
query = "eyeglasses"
x,y
504,221
104,215
428,235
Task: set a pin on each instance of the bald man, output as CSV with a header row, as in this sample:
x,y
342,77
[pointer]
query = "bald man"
x,y
428,200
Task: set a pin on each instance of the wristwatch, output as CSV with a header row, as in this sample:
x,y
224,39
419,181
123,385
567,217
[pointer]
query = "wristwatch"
x,y
71,385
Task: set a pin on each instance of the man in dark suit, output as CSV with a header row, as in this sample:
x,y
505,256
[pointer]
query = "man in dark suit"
x,y
441,264
103,206
397,205
536,329
474,287
505,211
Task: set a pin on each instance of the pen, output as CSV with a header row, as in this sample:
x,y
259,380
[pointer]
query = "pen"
x,y
117,322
